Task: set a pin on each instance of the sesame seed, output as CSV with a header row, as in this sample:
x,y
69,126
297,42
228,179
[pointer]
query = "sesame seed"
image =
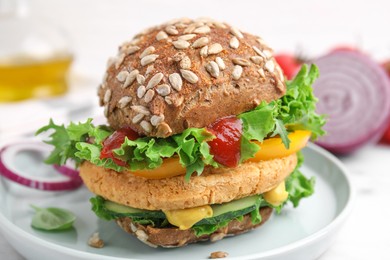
x,y
130,78
130,50
237,71
234,43
163,90
181,44
185,63
155,80
236,32
140,110
137,118
215,48
141,91
261,72
204,52
170,29
176,81
156,119
121,77
220,62
148,59
257,59
140,79
186,37
189,76
163,129
270,66
124,101
147,52
202,29
200,42
146,126
149,95
107,96
213,69
241,61
161,35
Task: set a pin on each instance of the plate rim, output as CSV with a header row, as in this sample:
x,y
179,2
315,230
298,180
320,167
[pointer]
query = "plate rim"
x,y
8,227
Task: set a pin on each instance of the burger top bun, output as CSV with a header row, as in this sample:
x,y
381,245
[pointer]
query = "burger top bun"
x,y
187,73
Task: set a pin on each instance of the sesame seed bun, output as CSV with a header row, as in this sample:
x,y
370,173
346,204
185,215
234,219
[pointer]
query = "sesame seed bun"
x,y
170,76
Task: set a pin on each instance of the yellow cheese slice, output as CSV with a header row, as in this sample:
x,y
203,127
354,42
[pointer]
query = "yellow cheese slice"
x,y
277,195
186,218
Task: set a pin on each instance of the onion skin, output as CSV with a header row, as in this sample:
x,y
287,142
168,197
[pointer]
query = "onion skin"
x,y
354,91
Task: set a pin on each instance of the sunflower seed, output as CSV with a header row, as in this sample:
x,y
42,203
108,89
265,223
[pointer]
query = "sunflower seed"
x,y
124,101
215,48
189,76
149,70
147,52
280,86
181,44
148,59
258,51
121,77
130,50
137,118
234,43
163,130
155,80
237,71
178,56
140,79
186,37
170,29
220,62
185,63
119,60
141,110
105,111
130,78
213,69
267,53
141,91
163,90
146,126
176,101
261,72
219,25
270,66
200,42
257,59
156,119
204,51
107,96
236,32
260,40
176,81
161,35
190,28
149,95
241,61
202,29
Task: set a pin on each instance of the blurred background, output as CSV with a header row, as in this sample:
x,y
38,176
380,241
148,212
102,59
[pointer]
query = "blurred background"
x,y
54,54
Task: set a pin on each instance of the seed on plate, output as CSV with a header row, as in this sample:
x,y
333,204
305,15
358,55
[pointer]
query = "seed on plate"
x,y
146,126
141,91
107,96
257,59
170,29
155,80
185,63
148,59
140,79
220,62
241,61
200,42
140,110
156,119
213,69
186,37
147,51
237,71
176,81
215,48
234,43
161,35
204,51
163,90
202,29
270,66
124,101
130,78
189,76
137,118
236,32
149,95
121,77
181,44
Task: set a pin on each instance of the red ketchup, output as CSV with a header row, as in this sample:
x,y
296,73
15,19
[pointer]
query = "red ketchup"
x,y
226,146
114,141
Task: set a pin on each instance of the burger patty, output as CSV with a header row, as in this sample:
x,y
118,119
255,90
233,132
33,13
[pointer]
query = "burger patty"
x,y
214,186
174,237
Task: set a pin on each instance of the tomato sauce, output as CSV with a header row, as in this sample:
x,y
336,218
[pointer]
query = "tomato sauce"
x,y
226,146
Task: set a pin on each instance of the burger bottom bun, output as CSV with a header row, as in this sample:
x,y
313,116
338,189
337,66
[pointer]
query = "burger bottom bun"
x,y
174,237
213,186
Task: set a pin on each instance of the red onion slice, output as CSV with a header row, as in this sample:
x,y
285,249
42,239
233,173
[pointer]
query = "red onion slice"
x,y
354,91
9,170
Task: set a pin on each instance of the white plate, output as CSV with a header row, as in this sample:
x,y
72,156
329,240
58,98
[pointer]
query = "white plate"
x,y
301,233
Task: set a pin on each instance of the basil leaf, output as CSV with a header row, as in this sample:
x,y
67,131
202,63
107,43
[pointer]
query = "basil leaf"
x,y
52,219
